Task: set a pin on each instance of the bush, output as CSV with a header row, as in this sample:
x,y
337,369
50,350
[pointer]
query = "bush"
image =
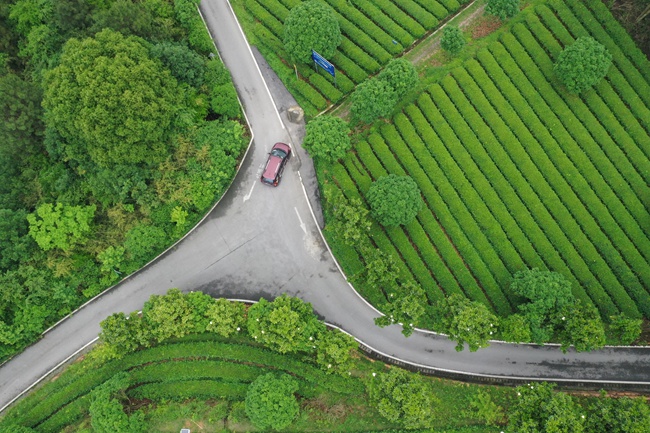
x,y
394,200
401,75
327,137
583,64
270,402
502,8
452,40
372,99
312,25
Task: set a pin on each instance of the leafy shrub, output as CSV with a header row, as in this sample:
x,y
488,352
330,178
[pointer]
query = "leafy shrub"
x,y
270,402
452,40
327,137
394,200
582,64
466,321
372,99
312,25
401,75
502,8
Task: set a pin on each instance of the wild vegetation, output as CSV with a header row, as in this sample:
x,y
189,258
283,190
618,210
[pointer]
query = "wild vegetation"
x,y
118,133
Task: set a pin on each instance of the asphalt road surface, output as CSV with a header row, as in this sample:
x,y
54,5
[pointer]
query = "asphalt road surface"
x,y
261,241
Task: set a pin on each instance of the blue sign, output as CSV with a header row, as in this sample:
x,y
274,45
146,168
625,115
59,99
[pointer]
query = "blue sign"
x,y
320,61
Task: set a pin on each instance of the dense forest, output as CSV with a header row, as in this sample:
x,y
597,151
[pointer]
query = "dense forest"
x,y
119,129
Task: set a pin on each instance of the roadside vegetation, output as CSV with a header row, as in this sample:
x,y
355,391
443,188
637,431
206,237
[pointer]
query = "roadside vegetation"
x,y
197,364
118,133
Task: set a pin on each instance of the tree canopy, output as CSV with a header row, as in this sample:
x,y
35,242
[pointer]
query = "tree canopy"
x,y
372,99
452,40
466,321
401,75
327,137
312,25
270,401
502,9
394,200
582,64
109,100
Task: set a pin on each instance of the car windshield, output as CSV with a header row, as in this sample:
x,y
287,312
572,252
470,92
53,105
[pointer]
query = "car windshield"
x,y
279,152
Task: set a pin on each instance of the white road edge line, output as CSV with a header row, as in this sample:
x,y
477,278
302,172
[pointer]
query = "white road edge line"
x,y
47,374
248,196
302,224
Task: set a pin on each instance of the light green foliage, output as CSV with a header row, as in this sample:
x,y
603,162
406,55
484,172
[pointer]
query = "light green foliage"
x,y
334,349
111,259
403,398
61,226
381,270
618,415
28,14
401,75
286,324
502,9
515,329
548,293
111,101
466,321
537,409
199,304
394,200
582,64
406,306
184,64
452,40
225,317
179,217
311,25
123,333
372,99
624,329
350,217
106,412
168,316
270,402
484,408
580,326
327,137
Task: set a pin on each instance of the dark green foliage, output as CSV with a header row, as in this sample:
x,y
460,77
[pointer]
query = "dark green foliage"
x,y
312,25
538,409
223,97
72,17
502,9
106,412
583,64
286,324
466,321
143,241
401,75
184,64
394,200
87,94
403,398
270,402
515,329
452,40
372,99
407,305
327,137
625,330
618,415
16,245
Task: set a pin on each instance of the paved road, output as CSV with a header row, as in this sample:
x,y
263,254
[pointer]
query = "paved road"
x,y
262,242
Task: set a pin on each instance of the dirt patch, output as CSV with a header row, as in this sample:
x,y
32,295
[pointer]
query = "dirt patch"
x,y
484,25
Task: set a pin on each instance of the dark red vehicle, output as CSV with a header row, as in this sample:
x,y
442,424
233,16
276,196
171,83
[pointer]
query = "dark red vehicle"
x,y
278,157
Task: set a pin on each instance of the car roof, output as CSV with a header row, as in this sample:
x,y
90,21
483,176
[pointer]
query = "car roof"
x,y
272,166
282,146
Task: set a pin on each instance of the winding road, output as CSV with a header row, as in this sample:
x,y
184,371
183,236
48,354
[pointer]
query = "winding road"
x,y
261,242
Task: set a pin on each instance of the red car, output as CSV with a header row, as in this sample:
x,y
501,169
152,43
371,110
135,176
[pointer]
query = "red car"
x,y
278,157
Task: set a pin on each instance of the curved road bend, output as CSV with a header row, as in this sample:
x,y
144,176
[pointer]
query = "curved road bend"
x,y
262,242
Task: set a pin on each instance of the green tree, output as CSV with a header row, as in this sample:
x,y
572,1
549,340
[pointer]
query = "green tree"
x,y
580,326
225,317
502,9
452,40
142,242
394,200
311,25
124,334
334,349
185,65
270,401
618,415
61,226
107,413
401,75
16,245
515,329
406,306
582,64
466,321
327,137
168,316
547,294
625,330
349,217
538,409
372,99
287,324
111,101
221,91
484,408
403,398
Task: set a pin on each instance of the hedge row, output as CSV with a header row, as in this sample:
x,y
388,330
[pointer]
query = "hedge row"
x,y
408,10
403,35
449,209
183,390
265,18
358,27
359,69
564,218
195,369
67,415
435,8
